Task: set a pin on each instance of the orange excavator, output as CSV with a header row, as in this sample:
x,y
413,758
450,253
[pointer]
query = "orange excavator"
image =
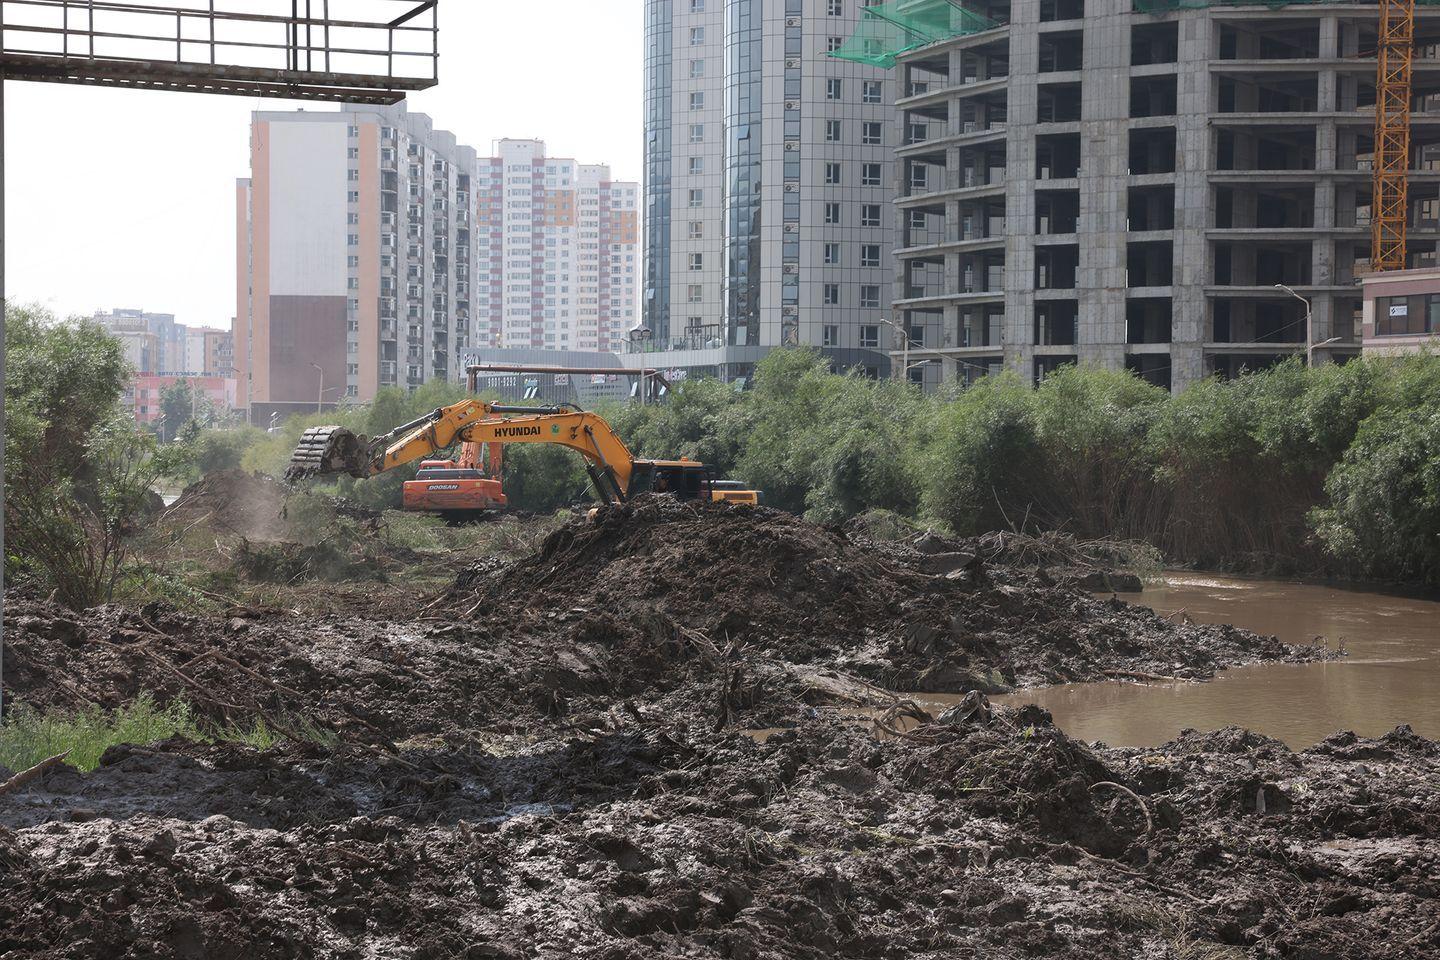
x,y
458,490
615,472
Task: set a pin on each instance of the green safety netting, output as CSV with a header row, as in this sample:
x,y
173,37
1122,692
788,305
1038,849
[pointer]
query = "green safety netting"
x,y
887,30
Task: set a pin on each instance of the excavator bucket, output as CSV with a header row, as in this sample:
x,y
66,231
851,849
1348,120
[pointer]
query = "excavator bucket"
x,y
328,450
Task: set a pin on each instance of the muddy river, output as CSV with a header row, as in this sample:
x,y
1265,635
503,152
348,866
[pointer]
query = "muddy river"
x,y
1391,676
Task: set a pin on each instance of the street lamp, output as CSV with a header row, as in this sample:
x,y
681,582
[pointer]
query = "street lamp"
x,y
320,396
1309,332
905,364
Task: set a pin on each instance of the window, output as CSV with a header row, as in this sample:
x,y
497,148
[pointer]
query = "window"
x,y
695,293
869,298
697,101
352,131
697,165
832,174
832,213
697,6
869,332
832,131
697,261
833,43
870,255
832,294
352,196
835,8
352,262
697,230
697,198
1397,316
919,131
697,36
832,89
832,254
870,133
352,240
872,91
870,175
830,335
697,133
352,175
869,214
697,69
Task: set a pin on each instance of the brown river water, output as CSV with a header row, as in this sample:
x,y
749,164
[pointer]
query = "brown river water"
x,y
1391,676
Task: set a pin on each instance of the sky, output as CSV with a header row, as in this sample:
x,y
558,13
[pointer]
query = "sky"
x,y
121,198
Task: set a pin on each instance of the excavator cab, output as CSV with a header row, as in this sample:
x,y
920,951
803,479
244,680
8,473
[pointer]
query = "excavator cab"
x,y
687,480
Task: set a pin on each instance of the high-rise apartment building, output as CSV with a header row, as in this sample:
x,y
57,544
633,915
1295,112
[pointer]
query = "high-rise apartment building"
x,y
374,249
354,256
768,185
1181,192
557,251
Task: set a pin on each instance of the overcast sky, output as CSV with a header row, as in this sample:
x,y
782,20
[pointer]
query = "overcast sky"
x,y
126,198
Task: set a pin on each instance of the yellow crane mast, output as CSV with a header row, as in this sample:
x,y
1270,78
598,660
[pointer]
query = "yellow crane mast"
x,y
1389,200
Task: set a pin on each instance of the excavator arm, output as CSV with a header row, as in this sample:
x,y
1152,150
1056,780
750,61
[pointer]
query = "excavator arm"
x,y
608,460
332,450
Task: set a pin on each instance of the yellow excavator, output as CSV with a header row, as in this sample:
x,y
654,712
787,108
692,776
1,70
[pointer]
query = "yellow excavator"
x,y
617,474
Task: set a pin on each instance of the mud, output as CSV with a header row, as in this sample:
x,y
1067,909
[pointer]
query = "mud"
x,y
557,765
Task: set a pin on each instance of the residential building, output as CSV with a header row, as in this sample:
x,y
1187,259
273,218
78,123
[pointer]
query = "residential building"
x,y
153,342
145,390
1171,191
353,256
557,251
1401,311
768,185
373,248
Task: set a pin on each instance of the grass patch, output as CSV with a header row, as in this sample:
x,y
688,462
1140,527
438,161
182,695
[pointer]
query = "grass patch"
x,y
29,737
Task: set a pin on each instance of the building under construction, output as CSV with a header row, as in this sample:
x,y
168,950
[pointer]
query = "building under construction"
x,y
1176,187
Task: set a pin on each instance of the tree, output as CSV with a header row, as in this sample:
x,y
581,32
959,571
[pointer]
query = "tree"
x,y
79,472
184,409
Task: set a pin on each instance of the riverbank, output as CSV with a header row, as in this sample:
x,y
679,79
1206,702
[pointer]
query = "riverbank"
x,y
556,756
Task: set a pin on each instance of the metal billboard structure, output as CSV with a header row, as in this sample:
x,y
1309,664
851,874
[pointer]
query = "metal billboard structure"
x,y
345,51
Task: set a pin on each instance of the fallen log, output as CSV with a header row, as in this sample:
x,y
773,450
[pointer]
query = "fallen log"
x,y
25,776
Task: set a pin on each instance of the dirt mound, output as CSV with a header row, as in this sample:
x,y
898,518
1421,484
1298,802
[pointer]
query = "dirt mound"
x,y
249,504
911,619
994,837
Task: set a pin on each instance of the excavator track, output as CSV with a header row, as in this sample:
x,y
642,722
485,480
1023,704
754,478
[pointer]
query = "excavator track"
x,y
327,450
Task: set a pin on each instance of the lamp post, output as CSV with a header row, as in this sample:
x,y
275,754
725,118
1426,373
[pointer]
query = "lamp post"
x,y
905,349
319,396
1309,330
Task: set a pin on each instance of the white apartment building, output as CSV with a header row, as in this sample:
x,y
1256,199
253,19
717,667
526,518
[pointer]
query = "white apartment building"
x,y
768,185
557,249
373,249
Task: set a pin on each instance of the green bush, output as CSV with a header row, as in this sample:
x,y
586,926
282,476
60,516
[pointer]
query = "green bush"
x,y
80,474
1384,514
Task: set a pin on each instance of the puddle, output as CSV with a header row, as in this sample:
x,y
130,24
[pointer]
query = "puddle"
x,y
1389,678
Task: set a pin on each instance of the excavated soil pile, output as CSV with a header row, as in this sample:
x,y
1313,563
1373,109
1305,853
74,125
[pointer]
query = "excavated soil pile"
x,y
904,617
999,837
